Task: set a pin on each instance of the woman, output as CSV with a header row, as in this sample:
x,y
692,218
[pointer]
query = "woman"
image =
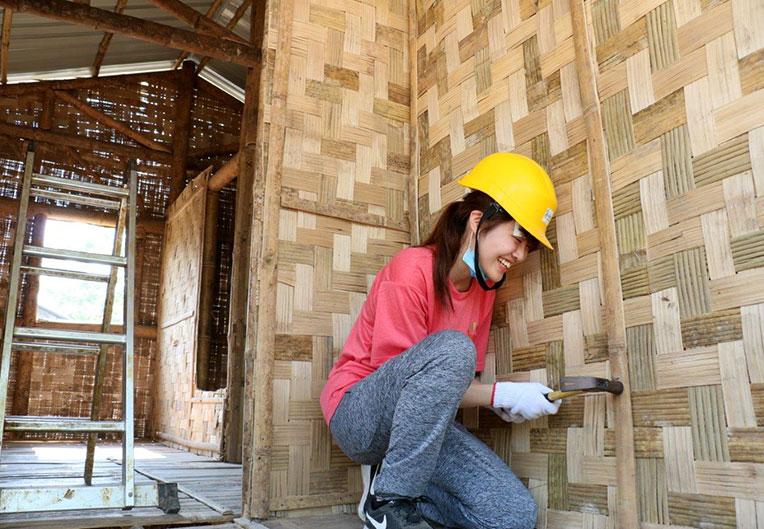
x,y
411,357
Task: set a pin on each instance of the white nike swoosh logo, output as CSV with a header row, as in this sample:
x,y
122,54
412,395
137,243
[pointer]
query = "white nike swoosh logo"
x,y
376,524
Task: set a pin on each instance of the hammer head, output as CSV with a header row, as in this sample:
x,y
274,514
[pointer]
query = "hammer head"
x,y
591,384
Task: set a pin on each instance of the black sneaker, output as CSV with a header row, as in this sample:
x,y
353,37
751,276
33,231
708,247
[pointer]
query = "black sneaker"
x,y
395,513
368,473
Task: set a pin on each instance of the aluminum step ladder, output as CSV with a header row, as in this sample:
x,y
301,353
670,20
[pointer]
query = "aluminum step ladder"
x,y
126,494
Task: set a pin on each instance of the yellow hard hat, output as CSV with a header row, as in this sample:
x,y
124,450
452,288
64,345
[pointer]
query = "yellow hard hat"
x,y
520,186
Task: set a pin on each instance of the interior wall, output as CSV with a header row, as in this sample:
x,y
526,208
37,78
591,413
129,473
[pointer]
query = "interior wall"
x,y
184,414
500,76
681,84
345,169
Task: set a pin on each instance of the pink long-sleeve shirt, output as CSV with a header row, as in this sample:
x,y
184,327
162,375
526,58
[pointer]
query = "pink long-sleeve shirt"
x,y
400,311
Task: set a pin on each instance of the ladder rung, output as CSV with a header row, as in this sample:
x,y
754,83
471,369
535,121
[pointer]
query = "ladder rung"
x,y
76,185
25,423
77,199
68,274
71,336
71,255
57,348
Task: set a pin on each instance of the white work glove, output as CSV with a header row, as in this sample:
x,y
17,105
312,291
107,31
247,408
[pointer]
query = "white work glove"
x,y
522,401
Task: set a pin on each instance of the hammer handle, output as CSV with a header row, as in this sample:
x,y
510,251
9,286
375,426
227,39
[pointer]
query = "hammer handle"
x,y
554,395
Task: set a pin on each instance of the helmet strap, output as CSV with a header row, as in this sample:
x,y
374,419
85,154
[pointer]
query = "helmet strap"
x,y
490,211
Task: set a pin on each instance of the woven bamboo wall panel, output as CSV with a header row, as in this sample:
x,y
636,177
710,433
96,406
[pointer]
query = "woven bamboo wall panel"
x,y
343,216
500,76
684,133
181,409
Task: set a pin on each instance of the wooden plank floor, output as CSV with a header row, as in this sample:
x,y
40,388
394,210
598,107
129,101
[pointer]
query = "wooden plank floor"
x,y
212,489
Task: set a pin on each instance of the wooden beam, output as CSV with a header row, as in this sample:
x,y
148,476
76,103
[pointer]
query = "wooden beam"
x,y
10,207
215,150
137,28
231,24
105,41
80,142
5,44
110,122
182,130
225,175
209,14
615,322
239,404
196,20
86,82
267,250
207,289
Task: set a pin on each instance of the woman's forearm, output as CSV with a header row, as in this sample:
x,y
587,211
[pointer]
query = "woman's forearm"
x,y
478,394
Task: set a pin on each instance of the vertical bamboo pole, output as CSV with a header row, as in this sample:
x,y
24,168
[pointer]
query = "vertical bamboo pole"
x,y
207,292
413,184
236,406
264,256
615,322
182,130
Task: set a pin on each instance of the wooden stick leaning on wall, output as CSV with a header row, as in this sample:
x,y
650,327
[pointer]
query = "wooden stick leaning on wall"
x,y
615,322
138,28
262,445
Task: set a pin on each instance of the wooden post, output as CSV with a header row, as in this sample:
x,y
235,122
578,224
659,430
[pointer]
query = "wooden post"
x,y
207,289
138,28
105,41
182,130
117,125
413,184
5,44
26,360
615,322
237,437
265,257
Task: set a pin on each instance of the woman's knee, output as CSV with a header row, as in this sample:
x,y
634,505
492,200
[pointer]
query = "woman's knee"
x,y
457,351
515,510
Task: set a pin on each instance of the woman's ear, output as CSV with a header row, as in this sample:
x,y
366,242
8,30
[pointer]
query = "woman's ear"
x,y
474,221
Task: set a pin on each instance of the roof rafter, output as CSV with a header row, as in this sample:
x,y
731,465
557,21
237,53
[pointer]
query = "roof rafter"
x,y
140,29
209,14
196,20
231,24
105,41
110,122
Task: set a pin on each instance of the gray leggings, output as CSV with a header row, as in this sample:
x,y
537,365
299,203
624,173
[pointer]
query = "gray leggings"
x,y
404,412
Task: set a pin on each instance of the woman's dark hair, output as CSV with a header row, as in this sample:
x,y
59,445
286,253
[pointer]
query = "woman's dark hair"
x,y
446,238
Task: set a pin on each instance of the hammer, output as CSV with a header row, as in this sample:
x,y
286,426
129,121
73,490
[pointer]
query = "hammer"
x,y
573,386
